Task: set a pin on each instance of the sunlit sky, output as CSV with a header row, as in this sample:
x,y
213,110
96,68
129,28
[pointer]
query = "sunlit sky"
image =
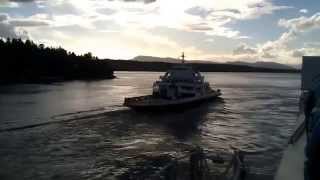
x,y
218,30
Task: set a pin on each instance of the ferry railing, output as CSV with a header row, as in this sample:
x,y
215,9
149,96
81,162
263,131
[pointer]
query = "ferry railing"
x,y
199,164
301,118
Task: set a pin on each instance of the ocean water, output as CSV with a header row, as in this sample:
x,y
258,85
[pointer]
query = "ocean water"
x,y
80,130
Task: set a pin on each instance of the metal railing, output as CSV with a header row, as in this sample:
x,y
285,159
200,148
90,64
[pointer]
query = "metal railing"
x,y
202,165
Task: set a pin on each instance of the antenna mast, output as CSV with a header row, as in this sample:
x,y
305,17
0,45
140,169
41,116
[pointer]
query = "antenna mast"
x,y
182,56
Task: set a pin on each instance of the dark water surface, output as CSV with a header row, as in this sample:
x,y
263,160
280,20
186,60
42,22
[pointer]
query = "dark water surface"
x,y
257,114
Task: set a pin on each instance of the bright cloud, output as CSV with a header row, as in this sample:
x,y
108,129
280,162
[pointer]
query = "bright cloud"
x,y
302,23
126,28
244,49
305,11
280,48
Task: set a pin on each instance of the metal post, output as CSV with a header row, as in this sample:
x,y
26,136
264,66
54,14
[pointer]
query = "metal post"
x,y
196,164
182,56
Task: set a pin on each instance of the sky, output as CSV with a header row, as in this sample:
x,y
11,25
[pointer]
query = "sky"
x,y
217,30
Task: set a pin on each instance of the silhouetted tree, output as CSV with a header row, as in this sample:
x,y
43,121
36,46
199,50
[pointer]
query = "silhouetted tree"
x,y
24,61
88,55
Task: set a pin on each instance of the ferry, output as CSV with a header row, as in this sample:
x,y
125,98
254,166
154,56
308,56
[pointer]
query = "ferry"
x,y
180,87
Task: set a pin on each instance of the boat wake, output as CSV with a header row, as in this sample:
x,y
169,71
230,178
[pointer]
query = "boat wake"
x,y
72,116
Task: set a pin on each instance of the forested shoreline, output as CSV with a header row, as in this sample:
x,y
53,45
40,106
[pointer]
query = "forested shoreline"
x,y
26,61
131,65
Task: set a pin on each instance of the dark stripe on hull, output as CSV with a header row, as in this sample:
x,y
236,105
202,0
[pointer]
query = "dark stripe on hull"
x,y
173,107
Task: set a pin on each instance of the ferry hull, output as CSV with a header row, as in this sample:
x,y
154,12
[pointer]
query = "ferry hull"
x,y
149,103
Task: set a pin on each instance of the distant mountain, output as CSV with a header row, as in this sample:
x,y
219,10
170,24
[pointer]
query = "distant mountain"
x,y
271,65
156,59
260,64
167,60
297,66
134,65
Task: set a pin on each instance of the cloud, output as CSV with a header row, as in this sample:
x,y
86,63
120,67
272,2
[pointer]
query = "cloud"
x,y
296,27
204,12
198,11
221,13
18,1
282,49
6,30
12,28
298,53
302,23
281,43
203,16
235,11
3,17
312,44
278,49
144,1
21,0
310,51
304,11
268,55
28,23
128,24
199,27
244,49
61,7
106,25
106,11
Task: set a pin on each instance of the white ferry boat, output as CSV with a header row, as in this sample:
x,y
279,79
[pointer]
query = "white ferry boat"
x,y
181,86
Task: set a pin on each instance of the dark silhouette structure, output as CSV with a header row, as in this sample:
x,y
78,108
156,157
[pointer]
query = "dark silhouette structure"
x,y
25,61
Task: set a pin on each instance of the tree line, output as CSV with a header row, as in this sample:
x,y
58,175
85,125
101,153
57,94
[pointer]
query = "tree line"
x,y
26,61
132,65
